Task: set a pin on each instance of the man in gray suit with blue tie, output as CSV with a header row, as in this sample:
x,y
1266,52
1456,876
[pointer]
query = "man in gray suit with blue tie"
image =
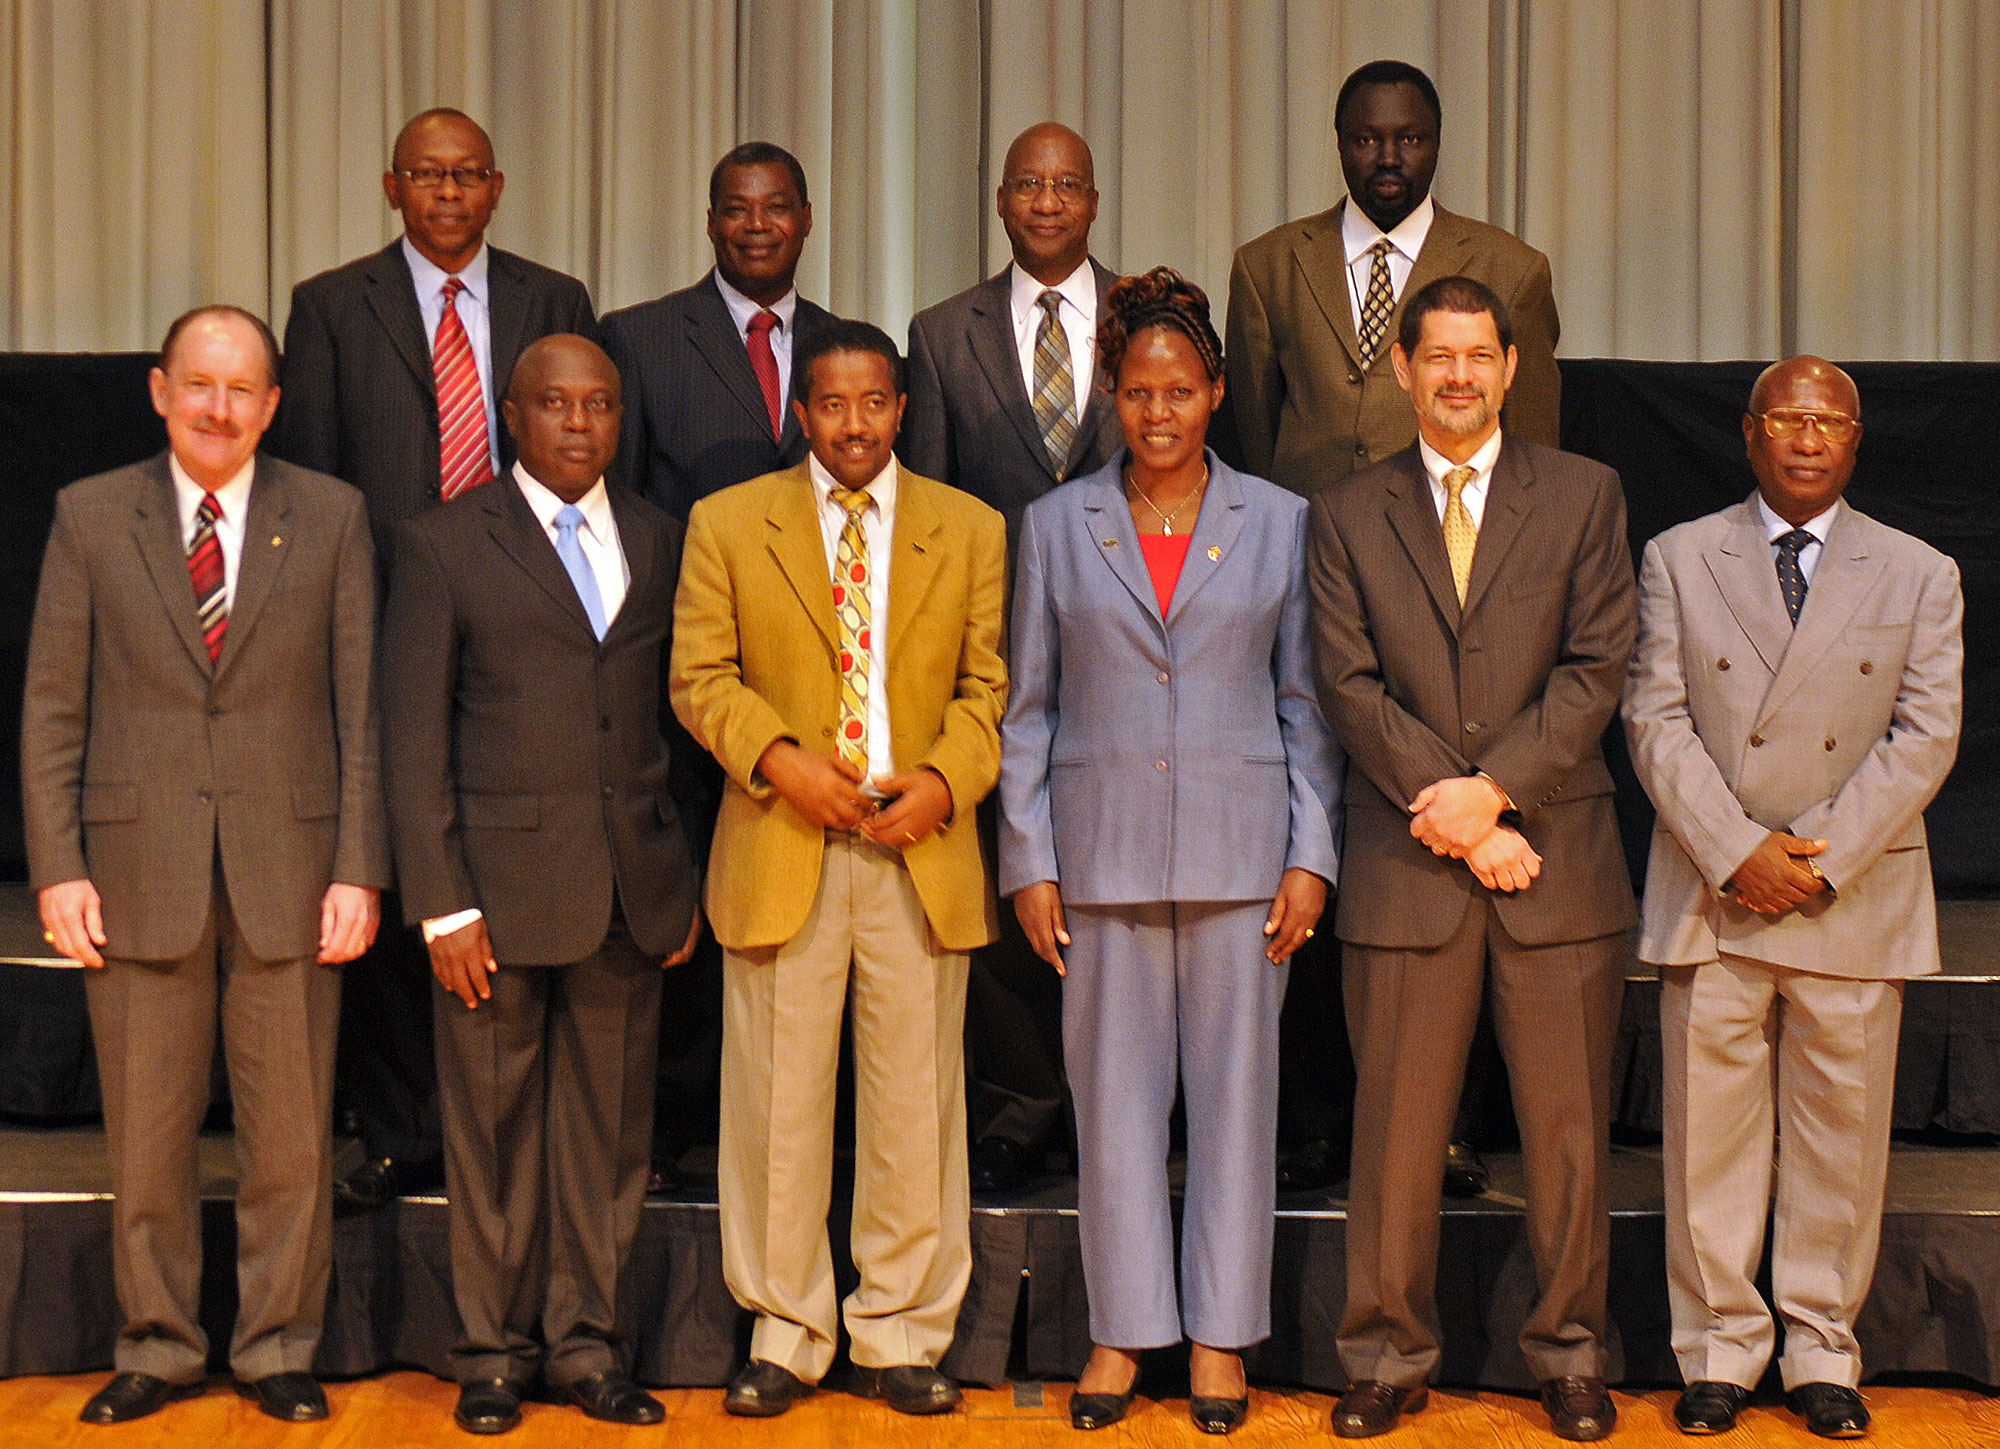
x,y
1793,706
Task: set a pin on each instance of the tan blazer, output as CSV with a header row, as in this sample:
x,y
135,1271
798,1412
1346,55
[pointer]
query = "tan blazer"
x,y
753,663
1841,730
1520,684
1306,413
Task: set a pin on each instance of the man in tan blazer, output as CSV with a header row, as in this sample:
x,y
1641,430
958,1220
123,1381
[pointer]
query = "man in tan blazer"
x,y
204,823
1793,706
836,647
1472,617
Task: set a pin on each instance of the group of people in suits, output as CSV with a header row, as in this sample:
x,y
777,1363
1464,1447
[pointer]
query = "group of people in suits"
x,y
1026,602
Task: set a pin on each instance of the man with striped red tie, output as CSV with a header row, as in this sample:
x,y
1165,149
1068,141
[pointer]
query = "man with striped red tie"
x,y
394,365
205,833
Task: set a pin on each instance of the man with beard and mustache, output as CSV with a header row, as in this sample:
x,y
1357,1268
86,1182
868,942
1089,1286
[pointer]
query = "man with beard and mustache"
x,y
1473,614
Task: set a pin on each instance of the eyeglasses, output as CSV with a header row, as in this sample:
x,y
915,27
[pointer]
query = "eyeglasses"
x,y
1068,189
1782,423
429,178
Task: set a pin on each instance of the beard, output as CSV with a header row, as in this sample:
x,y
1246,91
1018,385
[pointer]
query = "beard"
x,y
1460,422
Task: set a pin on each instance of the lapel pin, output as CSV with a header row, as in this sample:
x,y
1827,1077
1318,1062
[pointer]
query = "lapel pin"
x,y
1214,553
1111,543
275,540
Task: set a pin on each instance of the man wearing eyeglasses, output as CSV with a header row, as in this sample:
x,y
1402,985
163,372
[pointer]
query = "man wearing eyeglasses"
x,y
1003,404
1792,707
393,365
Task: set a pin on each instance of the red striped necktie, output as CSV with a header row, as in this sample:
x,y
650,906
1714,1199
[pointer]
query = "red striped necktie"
x,y
465,457
211,599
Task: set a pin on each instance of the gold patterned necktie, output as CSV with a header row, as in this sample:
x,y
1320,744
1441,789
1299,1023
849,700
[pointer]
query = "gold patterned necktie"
x,y
1055,384
853,608
1461,535
1377,303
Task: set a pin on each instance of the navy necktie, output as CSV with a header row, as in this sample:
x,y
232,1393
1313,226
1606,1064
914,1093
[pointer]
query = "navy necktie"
x,y
1792,578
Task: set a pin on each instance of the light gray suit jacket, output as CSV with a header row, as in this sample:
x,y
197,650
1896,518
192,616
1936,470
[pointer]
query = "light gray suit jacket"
x,y
1178,758
1842,730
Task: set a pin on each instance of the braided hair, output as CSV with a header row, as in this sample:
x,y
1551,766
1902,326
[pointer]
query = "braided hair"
x,y
1159,298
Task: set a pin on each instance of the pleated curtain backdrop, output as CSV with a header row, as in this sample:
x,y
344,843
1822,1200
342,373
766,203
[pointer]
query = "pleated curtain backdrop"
x,y
1710,178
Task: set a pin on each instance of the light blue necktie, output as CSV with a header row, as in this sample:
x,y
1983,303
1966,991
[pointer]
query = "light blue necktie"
x,y
568,520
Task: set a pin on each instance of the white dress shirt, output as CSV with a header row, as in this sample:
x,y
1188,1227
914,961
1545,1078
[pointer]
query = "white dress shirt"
x,y
233,498
742,309
1473,495
475,311
1358,234
599,539
1776,528
1078,314
878,527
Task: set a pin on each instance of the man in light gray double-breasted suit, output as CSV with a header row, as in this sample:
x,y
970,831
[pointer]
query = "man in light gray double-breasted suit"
x,y
1792,708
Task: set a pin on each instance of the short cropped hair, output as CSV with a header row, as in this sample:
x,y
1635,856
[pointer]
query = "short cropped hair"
x,y
223,309
1452,294
843,334
756,153
1388,73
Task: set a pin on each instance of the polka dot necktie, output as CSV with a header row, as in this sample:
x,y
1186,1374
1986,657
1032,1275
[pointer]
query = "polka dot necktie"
x,y
1792,578
853,610
1377,303
1461,535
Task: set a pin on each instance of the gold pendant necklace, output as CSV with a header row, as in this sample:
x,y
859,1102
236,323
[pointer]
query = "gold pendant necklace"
x,y
1167,518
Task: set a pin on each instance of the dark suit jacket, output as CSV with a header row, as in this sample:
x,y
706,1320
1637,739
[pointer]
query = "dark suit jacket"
x,y
140,759
969,421
1520,684
1302,410
526,769
695,419
360,401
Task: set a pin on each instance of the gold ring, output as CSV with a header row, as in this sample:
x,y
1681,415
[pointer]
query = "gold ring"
x,y
49,936
1309,933
910,837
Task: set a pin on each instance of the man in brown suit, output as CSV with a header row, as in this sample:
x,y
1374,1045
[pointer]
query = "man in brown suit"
x,y
204,820
1473,614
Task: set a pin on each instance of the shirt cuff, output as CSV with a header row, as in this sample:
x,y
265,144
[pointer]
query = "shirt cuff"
x,y
444,925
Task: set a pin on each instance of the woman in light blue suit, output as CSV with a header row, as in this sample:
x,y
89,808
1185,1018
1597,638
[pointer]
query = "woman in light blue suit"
x,y
1167,788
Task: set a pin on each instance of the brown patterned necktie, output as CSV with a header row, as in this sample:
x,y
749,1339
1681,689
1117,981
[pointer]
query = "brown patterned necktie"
x,y
853,609
1377,303
1460,533
1055,384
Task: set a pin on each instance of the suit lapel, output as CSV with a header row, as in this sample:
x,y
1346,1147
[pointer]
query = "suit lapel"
x,y
392,297
1508,501
800,549
1322,260
914,553
713,333
509,314
1441,255
1844,576
806,319
1413,515
1098,410
156,528
636,543
521,537
992,340
1745,577
267,543
1216,529
1110,534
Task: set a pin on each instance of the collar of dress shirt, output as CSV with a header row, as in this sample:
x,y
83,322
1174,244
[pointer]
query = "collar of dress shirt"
x,y
430,277
1079,289
742,309
233,497
1776,528
1436,465
1358,233
595,505
881,488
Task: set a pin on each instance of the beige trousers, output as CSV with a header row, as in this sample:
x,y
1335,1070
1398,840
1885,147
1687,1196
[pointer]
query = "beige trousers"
x,y
867,937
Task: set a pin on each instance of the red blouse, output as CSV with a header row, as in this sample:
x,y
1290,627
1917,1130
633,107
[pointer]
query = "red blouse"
x,y
1165,553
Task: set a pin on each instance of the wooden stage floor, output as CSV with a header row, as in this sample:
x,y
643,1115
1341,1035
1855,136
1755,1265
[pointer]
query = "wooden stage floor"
x,y
413,1409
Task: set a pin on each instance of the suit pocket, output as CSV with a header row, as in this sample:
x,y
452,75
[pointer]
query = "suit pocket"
x,y
317,800
104,803
500,812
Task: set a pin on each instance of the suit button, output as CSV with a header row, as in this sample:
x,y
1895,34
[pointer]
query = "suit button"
x,y
1473,726
1161,766
1163,676
1360,449
606,792
204,795
214,713
1722,664
604,723
1756,741
827,730
1355,378
1831,742
1867,666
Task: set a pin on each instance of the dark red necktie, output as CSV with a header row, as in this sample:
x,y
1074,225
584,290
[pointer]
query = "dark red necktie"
x,y
211,599
764,363
465,455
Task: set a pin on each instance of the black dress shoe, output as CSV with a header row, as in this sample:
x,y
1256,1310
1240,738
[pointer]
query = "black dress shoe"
x,y
1001,1165
1579,1407
763,1390
380,1181
1101,1411
612,1397
132,1396
908,1388
1709,1406
293,1398
488,1406
1832,1411
1464,1171
1310,1167
1218,1416
1370,1408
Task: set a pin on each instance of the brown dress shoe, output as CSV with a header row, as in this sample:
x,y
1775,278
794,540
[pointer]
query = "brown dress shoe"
x,y
1371,1406
1579,1407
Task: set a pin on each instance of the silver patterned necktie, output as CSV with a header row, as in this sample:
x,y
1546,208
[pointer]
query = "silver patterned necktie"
x,y
1055,384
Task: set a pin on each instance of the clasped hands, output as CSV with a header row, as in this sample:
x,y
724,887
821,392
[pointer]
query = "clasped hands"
x,y
827,791
1771,879
1459,816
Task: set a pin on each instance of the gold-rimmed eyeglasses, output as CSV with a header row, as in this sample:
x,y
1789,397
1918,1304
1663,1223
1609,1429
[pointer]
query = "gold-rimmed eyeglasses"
x,y
1782,423
429,178
1069,190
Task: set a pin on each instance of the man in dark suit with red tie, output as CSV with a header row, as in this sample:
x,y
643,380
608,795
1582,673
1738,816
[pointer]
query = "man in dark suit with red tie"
x,y
394,365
